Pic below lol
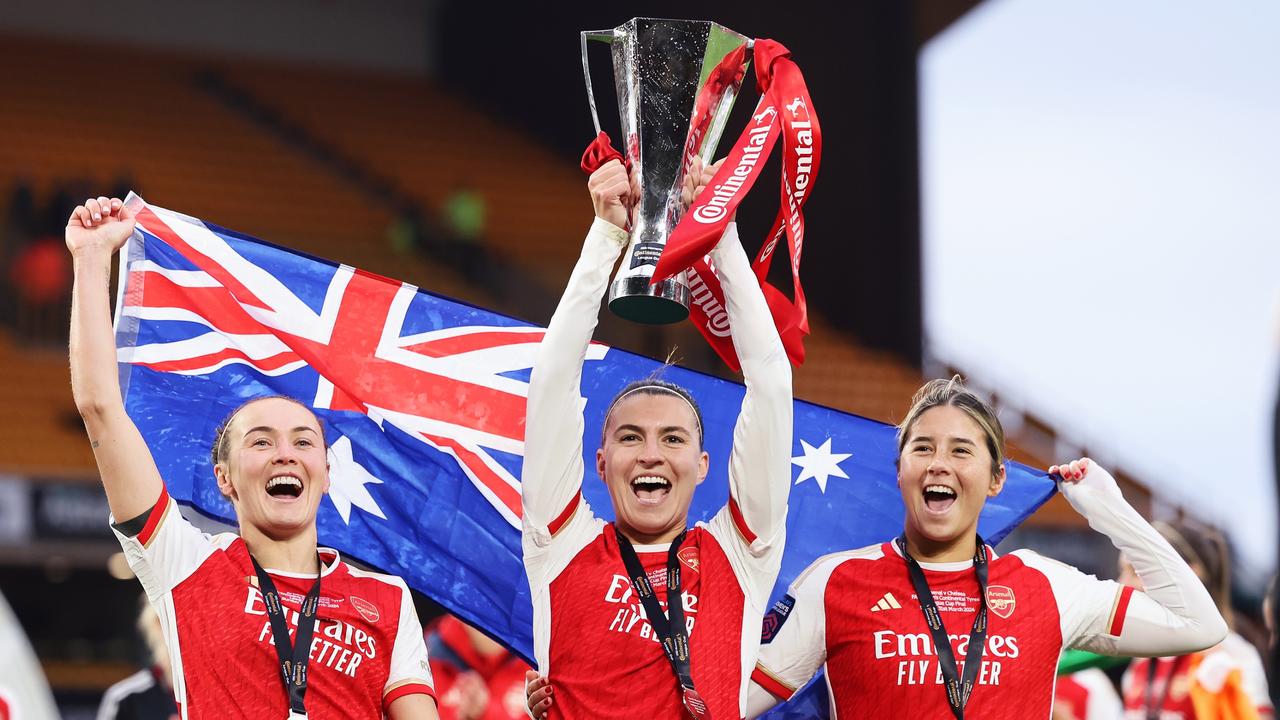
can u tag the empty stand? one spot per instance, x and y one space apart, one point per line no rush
98 113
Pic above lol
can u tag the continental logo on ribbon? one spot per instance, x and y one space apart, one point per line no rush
1001 601
722 193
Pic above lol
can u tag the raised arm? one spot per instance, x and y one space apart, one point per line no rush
552 474
1174 614
95 231
760 464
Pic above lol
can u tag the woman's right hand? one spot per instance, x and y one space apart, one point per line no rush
99 225
537 694
611 193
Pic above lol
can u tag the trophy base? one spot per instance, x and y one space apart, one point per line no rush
634 298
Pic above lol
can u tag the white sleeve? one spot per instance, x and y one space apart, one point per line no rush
551 477
162 547
557 522
759 700
409 665
751 528
760 462
798 646
1174 614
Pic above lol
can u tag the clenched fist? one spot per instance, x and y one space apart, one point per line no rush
611 193
98 226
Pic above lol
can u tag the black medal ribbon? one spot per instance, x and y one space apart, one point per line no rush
669 626
958 689
296 656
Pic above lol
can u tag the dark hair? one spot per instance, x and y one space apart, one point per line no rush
654 386
1202 545
221 444
953 392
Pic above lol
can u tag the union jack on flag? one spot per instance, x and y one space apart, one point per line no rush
423 399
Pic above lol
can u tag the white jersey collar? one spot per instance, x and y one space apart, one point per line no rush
943 566
329 561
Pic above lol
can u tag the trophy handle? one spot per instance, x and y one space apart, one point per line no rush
602 36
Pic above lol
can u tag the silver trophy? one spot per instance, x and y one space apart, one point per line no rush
676 83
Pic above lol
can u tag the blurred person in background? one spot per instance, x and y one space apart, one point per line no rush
1269 613
1086 695
476 678
24 691
1224 682
263 623
148 693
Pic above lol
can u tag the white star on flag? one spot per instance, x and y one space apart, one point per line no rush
820 464
347 480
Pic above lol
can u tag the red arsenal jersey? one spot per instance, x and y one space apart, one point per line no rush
857 613
602 652
367 649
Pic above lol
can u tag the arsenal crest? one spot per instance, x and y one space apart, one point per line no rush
1000 600
367 610
689 557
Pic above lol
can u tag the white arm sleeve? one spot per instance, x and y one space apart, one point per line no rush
409 651
551 477
759 701
760 463
1174 615
799 645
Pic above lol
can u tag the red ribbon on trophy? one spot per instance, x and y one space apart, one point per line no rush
599 152
784 108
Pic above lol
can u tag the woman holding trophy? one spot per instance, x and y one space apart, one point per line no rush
605 635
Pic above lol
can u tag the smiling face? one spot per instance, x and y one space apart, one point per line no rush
651 461
275 469
945 475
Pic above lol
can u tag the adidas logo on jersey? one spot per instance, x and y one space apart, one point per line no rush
888 602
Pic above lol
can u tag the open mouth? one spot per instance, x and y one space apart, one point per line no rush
938 498
650 489
286 486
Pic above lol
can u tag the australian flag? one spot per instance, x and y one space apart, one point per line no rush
423 402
